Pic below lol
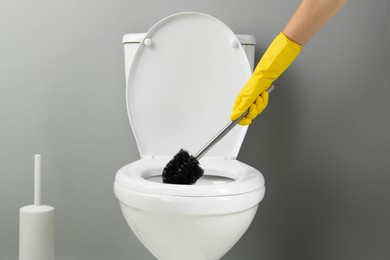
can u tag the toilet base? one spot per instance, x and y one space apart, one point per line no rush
189 237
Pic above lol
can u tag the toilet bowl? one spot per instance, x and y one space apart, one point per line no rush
182 77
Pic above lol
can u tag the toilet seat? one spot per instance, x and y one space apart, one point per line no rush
243 191
182 84
242 178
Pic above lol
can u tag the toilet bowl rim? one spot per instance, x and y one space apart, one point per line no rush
189 206
245 178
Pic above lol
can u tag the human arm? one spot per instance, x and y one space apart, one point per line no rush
308 19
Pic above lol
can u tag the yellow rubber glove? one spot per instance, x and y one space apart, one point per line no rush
254 96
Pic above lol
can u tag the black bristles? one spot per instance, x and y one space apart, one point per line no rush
182 169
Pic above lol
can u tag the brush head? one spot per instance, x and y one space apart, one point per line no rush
182 169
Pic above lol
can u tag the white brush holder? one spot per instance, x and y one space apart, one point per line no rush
36 225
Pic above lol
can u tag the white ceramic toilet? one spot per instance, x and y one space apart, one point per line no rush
182 77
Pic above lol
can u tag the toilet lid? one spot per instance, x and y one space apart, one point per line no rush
182 84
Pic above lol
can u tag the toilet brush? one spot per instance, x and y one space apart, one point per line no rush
36 232
184 168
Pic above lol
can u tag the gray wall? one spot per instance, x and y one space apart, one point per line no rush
323 144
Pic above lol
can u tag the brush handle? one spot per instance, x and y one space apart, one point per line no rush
228 127
37 180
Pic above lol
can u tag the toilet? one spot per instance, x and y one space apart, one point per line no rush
182 77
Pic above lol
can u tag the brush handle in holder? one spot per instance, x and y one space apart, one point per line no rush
221 134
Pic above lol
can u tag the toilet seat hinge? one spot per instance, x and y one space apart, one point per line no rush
148 156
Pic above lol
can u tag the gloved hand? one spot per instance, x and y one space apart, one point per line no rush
254 96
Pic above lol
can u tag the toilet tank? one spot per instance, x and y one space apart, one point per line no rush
131 42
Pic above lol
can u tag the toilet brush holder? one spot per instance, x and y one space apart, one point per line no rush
36 224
